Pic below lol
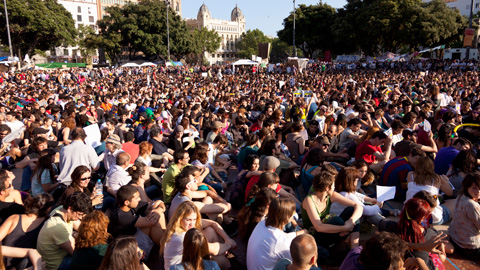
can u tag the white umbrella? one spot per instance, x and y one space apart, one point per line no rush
130 65
147 64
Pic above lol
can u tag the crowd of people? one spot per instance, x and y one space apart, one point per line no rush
204 168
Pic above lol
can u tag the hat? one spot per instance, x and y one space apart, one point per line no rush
218 124
178 129
271 163
39 130
113 138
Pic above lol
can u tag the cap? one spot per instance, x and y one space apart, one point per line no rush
218 124
39 130
178 129
113 138
271 163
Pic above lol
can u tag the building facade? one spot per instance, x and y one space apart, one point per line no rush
462 5
176 5
229 30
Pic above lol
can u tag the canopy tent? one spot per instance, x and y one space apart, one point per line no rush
173 64
301 63
130 65
244 62
61 65
147 64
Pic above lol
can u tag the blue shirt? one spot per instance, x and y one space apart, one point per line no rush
444 159
207 265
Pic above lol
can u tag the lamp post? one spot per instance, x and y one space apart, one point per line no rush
8 28
168 31
294 48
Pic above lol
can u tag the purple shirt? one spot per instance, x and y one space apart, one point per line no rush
351 261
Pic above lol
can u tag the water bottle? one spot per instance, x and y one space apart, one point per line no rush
99 189
285 149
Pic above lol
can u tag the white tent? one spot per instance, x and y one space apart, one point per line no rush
244 62
130 65
147 64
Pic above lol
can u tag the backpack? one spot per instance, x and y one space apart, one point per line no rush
237 196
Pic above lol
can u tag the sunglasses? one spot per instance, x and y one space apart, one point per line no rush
85 178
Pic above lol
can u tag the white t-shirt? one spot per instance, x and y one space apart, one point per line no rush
173 250
266 246
368 210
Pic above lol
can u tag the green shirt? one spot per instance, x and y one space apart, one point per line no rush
168 182
88 258
54 232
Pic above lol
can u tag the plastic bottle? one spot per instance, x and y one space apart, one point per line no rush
285 149
99 189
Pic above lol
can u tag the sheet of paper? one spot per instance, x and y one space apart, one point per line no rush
304 134
93 135
427 126
385 193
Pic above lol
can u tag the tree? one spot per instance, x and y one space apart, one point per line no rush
205 41
37 25
388 25
312 28
86 42
142 27
281 50
248 43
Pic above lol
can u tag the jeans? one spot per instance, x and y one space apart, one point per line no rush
66 262
26 179
326 241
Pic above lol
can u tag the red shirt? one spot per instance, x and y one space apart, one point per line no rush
253 180
132 149
365 151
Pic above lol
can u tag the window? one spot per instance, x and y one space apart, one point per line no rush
74 53
89 10
65 52
92 26
90 19
477 5
218 55
79 18
79 9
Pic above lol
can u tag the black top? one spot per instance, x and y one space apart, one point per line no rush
158 147
9 208
123 223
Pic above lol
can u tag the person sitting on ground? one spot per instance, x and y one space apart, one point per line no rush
131 148
186 217
55 241
327 229
118 176
446 155
410 229
81 176
465 163
248 217
14 234
140 175
123 253
382 251
14 196
250 169
424 178
463 229
200 159
113 147
195 253
303 250
7 208
91 242
371 151
145 157
186 189
45 173
135 217
269 243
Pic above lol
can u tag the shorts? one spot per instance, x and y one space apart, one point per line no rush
144 241
446 215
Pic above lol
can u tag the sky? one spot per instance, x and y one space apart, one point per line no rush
266 15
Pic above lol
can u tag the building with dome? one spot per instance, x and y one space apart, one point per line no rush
229 30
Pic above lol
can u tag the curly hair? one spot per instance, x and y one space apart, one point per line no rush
145 148
92 230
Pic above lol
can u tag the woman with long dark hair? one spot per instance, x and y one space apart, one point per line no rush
81 176
195 253
44 174
465 163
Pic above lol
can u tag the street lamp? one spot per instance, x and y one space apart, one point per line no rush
8 28
168 31
294 48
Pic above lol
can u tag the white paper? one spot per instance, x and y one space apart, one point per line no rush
280 84
304 134
427 126
389 132
204 74
385 193
93 135
457 108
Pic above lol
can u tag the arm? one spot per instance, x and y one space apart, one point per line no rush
31 253
8 226
65 135
69 246
218 248
309 206
445 185
357 208
432 148
22 164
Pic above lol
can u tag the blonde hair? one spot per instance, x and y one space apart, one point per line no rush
174 225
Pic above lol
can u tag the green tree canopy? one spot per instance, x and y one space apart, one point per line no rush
312 28
375 25
36 25
142 27
248 43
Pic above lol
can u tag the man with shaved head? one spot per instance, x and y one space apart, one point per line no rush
303 250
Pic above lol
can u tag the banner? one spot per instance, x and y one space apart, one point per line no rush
468 40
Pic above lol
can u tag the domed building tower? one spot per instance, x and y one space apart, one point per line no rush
203 15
